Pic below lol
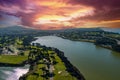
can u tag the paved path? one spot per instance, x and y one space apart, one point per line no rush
51 72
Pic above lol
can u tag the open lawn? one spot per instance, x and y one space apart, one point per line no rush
60 71
37 75
12 59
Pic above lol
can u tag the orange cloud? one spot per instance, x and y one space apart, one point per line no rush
58 14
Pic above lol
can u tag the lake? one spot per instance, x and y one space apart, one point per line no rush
94 62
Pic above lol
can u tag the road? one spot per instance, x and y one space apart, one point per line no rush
51 72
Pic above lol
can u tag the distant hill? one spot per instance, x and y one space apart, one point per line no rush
82 29
15 30
19 30
115 30
23 30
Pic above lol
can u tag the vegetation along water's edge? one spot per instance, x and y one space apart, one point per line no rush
103 39
50 63
45 62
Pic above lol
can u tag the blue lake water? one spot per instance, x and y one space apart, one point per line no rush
95 63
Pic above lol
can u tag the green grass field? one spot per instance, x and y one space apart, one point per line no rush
37 71
60 71
12 59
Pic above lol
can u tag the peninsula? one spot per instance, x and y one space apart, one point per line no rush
45 62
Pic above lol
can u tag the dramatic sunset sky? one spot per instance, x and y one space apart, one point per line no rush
60 14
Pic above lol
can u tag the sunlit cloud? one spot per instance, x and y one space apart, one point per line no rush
60 14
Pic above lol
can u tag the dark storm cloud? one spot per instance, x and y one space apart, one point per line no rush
13 2
104 9
98 3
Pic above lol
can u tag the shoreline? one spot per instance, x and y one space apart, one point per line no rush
63 58
102 46
69 66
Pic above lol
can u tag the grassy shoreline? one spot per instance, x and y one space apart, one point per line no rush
49 62
45 62
91 41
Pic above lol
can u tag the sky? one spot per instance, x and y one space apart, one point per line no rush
60 14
